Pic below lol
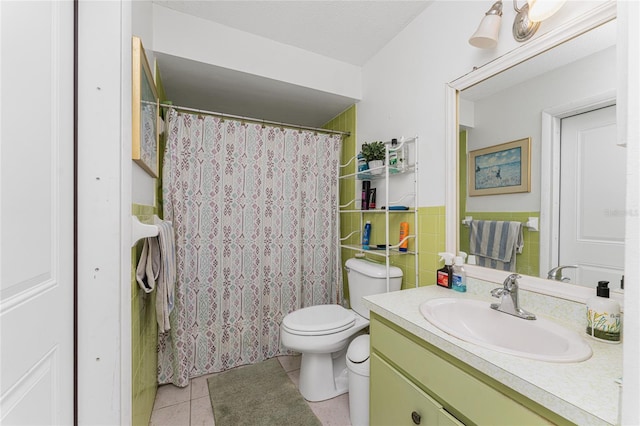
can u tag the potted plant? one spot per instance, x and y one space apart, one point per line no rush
374 153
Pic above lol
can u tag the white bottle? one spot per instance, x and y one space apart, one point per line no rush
459 276
603 315
393 156
403 155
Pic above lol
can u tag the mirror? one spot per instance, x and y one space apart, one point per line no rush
144 112
553 93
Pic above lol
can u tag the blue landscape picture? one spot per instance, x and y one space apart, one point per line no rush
499 169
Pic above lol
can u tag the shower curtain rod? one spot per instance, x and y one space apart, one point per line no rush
256 120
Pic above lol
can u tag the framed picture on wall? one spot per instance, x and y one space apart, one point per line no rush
145 109
500 169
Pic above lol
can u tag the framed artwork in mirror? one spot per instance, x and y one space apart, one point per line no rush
500 169
145 109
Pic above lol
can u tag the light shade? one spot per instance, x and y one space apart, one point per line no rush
486 36
539 10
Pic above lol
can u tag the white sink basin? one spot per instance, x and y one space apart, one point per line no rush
475 322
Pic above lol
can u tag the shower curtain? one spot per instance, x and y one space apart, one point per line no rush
254 209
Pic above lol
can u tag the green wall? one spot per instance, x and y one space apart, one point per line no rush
144 336
346 122
431 241
431 221
144 327
431 238
462 167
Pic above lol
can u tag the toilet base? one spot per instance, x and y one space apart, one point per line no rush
323 376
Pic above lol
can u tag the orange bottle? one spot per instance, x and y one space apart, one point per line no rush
404 232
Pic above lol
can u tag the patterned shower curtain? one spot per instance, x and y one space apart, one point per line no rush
254 209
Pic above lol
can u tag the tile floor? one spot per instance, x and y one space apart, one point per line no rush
191 406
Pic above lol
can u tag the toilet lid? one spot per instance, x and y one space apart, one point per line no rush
319 320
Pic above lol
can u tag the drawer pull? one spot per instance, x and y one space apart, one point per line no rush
416 417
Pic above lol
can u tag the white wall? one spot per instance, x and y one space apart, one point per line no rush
197 39
515 113
403 85
629 72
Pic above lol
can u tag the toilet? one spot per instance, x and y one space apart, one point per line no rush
323 332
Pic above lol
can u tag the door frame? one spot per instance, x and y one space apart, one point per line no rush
104 212
550 170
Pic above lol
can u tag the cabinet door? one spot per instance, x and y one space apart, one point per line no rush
397 401
446 419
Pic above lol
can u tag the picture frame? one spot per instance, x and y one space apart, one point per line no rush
145 112
500 169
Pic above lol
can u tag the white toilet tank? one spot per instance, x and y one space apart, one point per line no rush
367 278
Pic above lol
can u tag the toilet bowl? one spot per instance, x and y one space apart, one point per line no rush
322 333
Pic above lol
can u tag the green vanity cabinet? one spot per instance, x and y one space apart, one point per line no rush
413 382
395 400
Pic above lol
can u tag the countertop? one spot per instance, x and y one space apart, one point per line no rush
585 393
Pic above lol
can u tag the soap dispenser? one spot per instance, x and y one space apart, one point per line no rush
603 315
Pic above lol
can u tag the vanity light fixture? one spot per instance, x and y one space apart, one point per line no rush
486 36
525 24
539 10
523 27
530 15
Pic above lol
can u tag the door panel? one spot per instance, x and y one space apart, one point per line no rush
592 196
36 212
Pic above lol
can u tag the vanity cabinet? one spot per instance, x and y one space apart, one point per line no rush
397 401
413 382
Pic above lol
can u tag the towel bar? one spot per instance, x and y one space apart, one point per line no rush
141 230
532 223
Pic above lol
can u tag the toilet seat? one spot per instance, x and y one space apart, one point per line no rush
319 320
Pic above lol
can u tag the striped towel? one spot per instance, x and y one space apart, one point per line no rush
495 243
167 276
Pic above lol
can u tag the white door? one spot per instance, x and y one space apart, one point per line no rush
36 212
592 198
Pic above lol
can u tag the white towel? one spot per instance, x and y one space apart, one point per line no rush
495 243
149 265
167 277
157 270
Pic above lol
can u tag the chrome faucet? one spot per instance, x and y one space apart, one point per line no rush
509 303
556 273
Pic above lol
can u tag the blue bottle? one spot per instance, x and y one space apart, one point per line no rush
366 235
459 276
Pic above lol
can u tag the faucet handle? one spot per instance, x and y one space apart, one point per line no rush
556 273
497 292
511 281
